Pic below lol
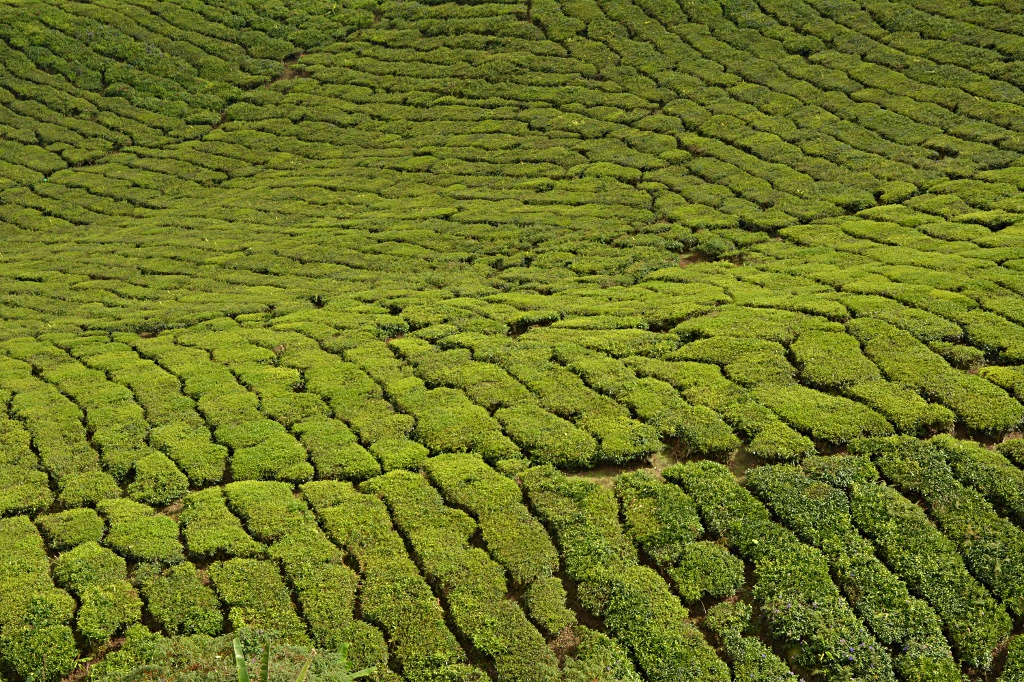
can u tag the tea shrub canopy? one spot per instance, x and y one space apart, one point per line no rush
524 341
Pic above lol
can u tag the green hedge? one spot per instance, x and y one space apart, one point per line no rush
157 481
982 406
256 596
34 615
992 547
98 577
513 537
931 566
636 604
990 473
750 658
178 600
210 529
473 585
334 450
137 532
68 529
793 585
393 594
820 515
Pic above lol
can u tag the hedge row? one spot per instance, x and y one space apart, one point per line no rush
544 436
990 473
653 401
564 394
982 406
513 537
931 567
992 547
98 577
137 532
57 433
34 615
473 586
211 530
662 520
446 421
24 488
637 607
793 585
750 658
112 416
701 383
832 361
177 428
393 594
820 515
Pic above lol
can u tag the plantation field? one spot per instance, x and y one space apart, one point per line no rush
556 341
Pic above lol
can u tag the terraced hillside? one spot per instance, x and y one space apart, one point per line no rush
579 340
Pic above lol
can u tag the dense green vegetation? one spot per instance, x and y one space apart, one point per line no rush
530 341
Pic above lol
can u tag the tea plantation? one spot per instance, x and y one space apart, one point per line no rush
543 341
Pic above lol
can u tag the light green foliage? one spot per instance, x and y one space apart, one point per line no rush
107 601
179 600
334 450
824 417
399 454
137 532
34 615
209 528
251 246
71 528
514 538
257 597
157 481
394 595
474 585
661 519
545 602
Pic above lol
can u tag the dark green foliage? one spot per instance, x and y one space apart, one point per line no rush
820 515
931 566
1014 669
598 657
750 658
71 528
992 547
